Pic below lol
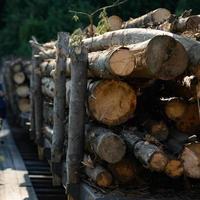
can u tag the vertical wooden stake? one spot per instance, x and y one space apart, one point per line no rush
76 127
59 106
38 106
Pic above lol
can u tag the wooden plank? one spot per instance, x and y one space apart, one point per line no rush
14 181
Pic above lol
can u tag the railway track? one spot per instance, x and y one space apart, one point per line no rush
38 171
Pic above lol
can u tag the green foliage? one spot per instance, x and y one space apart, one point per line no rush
20 19
76 37
103 25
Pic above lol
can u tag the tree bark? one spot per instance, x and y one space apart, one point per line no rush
124 171
98 174
146 60
23 90
19 77
48 132
48 113
191 160
48 87
182 24
103 142
38 102
76 130
148 154
152 18
132 36
59 102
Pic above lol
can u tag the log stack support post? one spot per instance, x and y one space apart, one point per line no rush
38 105
75 149
59 107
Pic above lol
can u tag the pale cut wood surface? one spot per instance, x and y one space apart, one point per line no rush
14 181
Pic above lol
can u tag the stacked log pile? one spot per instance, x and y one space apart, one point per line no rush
17 81
142 99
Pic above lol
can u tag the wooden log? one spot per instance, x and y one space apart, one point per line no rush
97 173
59 103
157 129
23 90
48 87
182 24
107 145
190 121
111 102
38 104
114 22
174 168
24 105
149 155
191 160
76 130
17 67
175 108
19 77
152 18
48 113
126 37
125 171
48 132
139 60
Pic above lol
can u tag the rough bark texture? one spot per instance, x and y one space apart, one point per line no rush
48 113
75 148
152 18
48 132
38 101
191 160
111 102
48 87
107 145
98 174
59 102
132 36
149 155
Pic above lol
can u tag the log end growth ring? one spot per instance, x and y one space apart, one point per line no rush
104 179
111 148
122 62
112 102
165 57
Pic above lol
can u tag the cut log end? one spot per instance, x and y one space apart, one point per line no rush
112 102
191 160
19 77
111 148
166 57
104 179
124 171
115 23
158 162
122 62
193 23
24 105
175 108
174 168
